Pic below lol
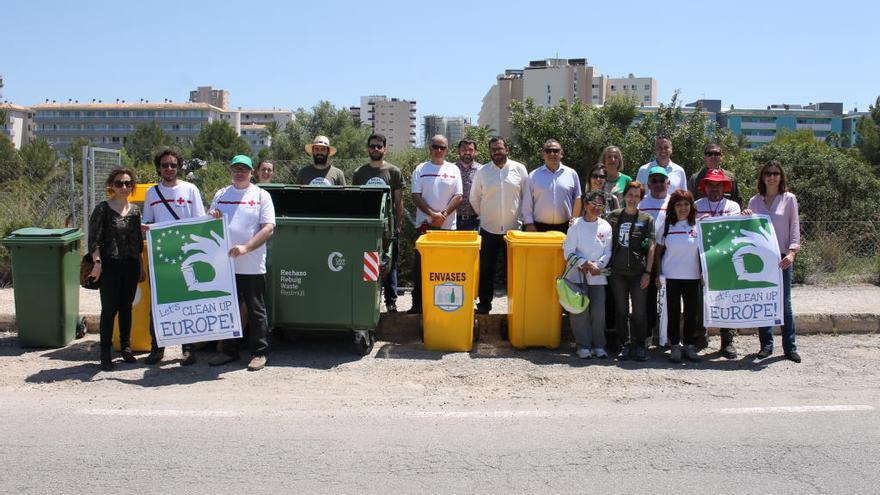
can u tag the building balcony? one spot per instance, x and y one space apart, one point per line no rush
758 125
814 127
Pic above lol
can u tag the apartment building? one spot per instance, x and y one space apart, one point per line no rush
206 94
393 117
451 127
761 126
18 125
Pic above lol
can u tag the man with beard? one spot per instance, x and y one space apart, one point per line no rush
321 173
497 196
712 158
381 173
467 152
170 200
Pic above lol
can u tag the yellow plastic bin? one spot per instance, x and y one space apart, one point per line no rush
450 275
534 260
140 308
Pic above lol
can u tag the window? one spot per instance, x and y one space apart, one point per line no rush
612 87
647 87
646 98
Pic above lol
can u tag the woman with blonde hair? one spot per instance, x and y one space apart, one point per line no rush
616 181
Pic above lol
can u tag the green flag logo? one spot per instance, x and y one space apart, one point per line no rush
740 254
186 261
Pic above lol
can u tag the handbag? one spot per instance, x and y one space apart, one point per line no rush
85 269
572 297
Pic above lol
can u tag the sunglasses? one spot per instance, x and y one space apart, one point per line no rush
123 183
597 176
657 181
376 146
168 165
438 147
713 153
552 151
772 174
596 205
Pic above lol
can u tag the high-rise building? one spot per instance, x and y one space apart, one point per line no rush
760 126
207 94
393 117
18 125
252 125
451 127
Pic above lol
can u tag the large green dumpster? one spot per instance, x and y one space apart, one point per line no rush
45 278
325 257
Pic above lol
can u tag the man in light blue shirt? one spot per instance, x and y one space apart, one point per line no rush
552 195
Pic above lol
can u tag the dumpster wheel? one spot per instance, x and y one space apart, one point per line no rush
363 341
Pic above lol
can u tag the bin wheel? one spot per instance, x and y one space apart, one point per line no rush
476 329
363 342
81 328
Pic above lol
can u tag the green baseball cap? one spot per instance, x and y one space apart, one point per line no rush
658 171
242 159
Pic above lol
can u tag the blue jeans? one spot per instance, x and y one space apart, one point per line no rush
766 333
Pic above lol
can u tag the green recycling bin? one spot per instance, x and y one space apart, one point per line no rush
326 258
45 279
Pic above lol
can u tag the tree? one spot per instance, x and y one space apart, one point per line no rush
868 142
74 151
39 159
146 141
346 134
218 141
11 165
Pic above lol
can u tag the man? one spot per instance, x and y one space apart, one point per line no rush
321 173
381 173
497 196
712 158
663 158
250 220
265 172
552 195
170 200
714 186
436 192
467 218
655 204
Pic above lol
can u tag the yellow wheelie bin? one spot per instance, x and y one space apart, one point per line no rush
534 260
140 307
450 275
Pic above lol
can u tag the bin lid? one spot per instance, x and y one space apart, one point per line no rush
449 239
139 195
329 201
520 238
35 235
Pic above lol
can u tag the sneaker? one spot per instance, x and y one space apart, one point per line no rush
257 363
600 353
793 356
584 352
729 351
189 358
391 307
641 354
223 359
155 356
765 352
690 353
127 355
625 353
675 354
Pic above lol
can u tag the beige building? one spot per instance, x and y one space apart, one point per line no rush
451 127
251 124
393 117
207 94
18 125
643 88
495 111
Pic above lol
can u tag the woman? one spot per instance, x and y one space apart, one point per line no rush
116 242
631 262
679 257
589 239
612 159
774 200
597 179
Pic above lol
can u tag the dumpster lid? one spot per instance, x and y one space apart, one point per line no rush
35 235
520 238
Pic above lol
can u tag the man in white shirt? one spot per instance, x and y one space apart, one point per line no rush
552 196
497 196
655 204
250 221
436 192
170 200
663 158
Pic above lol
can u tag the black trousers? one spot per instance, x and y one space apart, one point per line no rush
676 291
252 292
626 288
651 309
547 227
492 247
118 284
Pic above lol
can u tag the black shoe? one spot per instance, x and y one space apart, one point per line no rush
729 351
127 355
189 358
641 354
625 352
391 307
106 365
793 356
765 353
223 359
155 356
415 310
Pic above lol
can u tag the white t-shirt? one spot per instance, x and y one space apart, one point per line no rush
437 184
589 241
722 208
184 199
677 177
681 259
657 209
245 211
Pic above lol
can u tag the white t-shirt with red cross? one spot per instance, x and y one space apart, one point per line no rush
681 258
245 211
437 184
722 208
184 199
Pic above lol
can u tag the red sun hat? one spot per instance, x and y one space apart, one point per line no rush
716 175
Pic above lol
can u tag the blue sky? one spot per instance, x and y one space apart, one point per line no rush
445 55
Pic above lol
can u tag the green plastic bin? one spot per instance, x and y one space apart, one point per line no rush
45 279
325 259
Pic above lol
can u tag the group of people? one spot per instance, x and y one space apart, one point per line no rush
628 237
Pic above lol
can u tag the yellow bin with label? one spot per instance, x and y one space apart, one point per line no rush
534 260
450 276
140 307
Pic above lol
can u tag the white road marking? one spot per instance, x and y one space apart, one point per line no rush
159 413
486 414
794 409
